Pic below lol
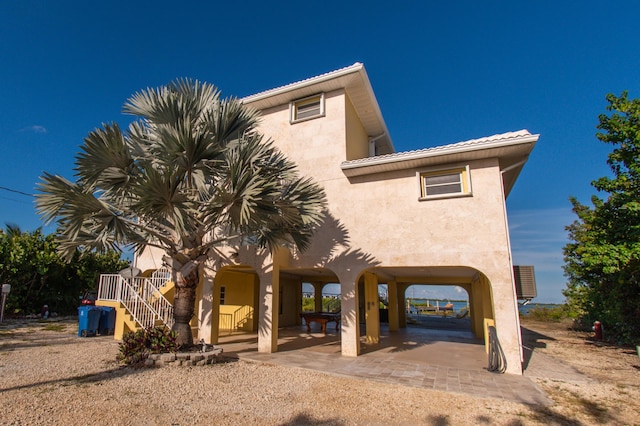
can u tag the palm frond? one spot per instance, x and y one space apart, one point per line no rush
191 164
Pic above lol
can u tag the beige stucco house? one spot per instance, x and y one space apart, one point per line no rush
433 216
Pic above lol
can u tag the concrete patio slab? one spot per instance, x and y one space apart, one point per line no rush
429 354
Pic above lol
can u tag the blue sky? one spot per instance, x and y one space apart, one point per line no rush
443 72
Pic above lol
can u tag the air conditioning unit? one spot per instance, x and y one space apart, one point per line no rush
525 282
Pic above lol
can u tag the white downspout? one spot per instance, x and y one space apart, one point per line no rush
372 144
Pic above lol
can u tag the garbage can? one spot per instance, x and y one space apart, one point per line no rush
88 320
107 320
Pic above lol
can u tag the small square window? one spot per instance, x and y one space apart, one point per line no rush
445 183
442 184
307 108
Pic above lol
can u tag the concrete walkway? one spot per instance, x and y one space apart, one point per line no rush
435 353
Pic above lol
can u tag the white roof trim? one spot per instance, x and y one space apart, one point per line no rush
489 142
304 83
352 79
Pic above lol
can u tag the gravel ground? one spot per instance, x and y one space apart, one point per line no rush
50 376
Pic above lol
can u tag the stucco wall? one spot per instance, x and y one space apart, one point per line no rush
381 214
378 220
357 143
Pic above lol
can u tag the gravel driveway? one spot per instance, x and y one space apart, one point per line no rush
50 376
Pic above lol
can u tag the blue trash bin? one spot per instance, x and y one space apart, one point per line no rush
107 320
88 320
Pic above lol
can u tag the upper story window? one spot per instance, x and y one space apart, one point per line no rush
307 108
445 183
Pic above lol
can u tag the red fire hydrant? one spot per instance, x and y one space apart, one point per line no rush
597 329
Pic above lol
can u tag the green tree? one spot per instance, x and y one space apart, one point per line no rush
27 262
190 173
602 261
30 263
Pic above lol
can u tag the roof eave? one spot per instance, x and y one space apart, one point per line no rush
298 89
303 84
443 155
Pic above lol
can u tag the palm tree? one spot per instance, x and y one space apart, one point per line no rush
191 172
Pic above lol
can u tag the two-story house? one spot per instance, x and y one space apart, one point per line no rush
432 216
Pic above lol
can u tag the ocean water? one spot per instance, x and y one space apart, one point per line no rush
524 309
457 306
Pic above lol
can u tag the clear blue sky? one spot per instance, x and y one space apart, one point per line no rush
443 72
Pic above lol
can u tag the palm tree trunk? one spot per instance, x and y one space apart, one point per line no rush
184 307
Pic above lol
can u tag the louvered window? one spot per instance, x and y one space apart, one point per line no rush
444 183
307 108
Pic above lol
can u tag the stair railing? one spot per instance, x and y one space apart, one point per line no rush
241 315
139 296
160 277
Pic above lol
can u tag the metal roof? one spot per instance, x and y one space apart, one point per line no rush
511 149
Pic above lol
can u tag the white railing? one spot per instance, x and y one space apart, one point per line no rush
159 277
140 296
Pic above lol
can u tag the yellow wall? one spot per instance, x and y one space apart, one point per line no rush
357 145
238 311
480 298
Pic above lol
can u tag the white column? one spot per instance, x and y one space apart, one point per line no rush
394 319
350 324
205 310
268 316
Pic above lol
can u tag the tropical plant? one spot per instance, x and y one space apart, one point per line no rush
137 345
30 263
190 173
602 261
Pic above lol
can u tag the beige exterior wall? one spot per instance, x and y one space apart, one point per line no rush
377 220
317 144
357 143
382 214
387 225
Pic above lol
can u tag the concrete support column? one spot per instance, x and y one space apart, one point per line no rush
372 308
317 294
392 291
215 308
299 303
507 323
207 321
270 302
402 305
349 321
200 323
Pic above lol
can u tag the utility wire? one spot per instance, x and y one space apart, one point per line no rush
17 201
16 191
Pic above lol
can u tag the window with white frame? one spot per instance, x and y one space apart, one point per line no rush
445 183
307 108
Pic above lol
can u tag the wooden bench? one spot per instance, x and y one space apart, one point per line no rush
321 317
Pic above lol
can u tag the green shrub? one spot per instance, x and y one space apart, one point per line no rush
136 346
308 304
329 304
550 314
